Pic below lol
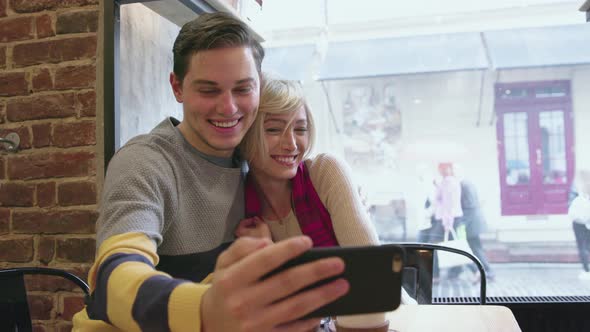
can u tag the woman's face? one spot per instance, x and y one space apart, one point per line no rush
287 138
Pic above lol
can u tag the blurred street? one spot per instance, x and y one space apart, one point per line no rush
517 279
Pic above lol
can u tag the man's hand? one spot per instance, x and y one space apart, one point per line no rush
239 300
254 227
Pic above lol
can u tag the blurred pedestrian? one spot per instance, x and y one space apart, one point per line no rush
579 214
475 224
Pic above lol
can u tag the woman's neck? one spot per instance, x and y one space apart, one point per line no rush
275 197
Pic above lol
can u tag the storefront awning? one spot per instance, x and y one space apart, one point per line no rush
401 56
503 49
292 63
539 47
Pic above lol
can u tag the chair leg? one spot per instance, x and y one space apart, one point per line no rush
14 306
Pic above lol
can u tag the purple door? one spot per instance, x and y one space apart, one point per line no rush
535 145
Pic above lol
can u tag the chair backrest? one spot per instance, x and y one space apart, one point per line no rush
14 308
417 275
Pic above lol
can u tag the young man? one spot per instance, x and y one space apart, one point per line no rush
172 199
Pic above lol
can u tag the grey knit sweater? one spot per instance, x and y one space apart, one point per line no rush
159 185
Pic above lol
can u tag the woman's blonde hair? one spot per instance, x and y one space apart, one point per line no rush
277 96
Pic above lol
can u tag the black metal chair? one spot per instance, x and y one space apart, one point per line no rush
417 275
14 307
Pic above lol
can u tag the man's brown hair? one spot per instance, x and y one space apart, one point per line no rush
212 31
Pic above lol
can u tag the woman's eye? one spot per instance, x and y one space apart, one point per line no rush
273 130
301 130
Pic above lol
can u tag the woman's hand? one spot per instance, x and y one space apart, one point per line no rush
253 227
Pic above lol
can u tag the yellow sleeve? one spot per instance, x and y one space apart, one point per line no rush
130 295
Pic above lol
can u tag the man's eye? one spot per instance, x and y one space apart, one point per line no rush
208 91
244 90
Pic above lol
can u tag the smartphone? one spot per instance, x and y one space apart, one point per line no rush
373 272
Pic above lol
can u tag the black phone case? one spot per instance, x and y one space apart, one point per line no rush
374 285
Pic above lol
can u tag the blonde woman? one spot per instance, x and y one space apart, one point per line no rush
289 194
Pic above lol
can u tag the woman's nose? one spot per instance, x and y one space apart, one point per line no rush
288 142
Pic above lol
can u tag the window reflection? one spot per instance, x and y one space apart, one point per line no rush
553 147
516 149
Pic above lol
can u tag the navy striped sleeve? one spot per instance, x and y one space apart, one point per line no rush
97 302
150 309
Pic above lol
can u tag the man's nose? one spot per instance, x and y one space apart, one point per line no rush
227 104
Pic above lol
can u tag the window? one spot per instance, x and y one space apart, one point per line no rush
499 89
410 85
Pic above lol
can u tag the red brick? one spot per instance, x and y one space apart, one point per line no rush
41 135
46 194
42 80
23 134
41 107
75 77
77 21
54 51
47 283
44 26
54 222
16 250
71 305
4 220
75 250
46 249
29 6
18 28
41 306
13 84
87 101
3 8
17 194
74 134
76 193
50 165
2 56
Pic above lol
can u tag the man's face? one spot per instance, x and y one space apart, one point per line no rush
220 95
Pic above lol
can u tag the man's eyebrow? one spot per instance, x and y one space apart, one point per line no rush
213 83
204 82
245 80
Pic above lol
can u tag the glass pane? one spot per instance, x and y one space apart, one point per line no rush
516 149
554 91
397 100
515 93
552 151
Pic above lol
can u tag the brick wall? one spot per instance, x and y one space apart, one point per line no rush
48 190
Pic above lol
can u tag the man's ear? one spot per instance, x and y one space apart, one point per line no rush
176 85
